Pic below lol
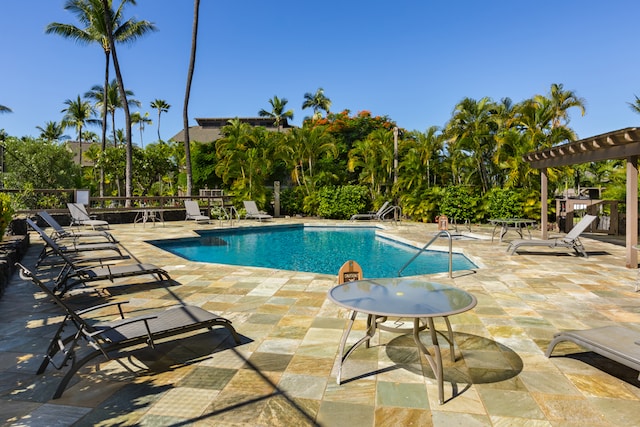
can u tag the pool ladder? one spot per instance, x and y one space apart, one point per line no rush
441 233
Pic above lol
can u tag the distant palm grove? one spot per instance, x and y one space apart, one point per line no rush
334 165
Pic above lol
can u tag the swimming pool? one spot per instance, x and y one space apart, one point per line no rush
311 249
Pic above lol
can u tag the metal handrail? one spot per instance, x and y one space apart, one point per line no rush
440 233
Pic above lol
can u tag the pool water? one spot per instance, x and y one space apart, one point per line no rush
311 249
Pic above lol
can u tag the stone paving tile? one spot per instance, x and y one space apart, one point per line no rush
284 371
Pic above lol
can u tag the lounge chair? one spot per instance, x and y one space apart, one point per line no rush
193 212
253 212
72 247
73 274
80 216
117 338
380 215
571 240
60 233
613 342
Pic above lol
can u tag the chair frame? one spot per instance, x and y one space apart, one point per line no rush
73 247
191 207
59 232
252 211
571 240
80 216
613 342
113 338
380 214
71 274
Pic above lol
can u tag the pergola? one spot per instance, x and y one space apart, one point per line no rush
619 144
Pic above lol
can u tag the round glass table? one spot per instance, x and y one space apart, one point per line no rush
402 297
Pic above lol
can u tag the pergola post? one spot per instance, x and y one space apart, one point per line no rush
632 211
544 203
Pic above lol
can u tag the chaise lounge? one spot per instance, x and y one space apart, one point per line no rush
194 213
73 274
253 212
80 216
59 232
571 240
118 338
381 214
72 247
613 342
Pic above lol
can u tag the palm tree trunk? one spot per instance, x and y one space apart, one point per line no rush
185 111
123 94
104 117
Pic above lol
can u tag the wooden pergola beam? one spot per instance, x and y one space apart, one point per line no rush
620 144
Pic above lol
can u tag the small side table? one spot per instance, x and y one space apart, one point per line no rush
148 214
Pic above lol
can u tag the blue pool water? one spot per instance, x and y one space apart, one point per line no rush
311 249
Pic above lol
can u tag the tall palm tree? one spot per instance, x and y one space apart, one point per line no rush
113 101
317 101
78 114
277 112
141 120
472 130
104 26
52 131
4 109
162 106
635 106
561 101
187 93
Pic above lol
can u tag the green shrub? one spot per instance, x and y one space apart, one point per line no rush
291 201
505 203
342 202
6 212
460 204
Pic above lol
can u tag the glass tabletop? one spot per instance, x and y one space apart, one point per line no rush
402 297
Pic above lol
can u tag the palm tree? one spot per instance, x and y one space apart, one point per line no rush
114 101
306 145
561 101
140 120
52 131
102 25
317 101
4 109
185 110
77 115
635 106
472 130
162 107
277 112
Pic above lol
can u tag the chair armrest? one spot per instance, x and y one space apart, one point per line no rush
144 319
109 304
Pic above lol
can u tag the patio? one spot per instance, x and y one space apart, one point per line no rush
284 371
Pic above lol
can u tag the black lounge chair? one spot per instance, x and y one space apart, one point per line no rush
613 342
114 339
73 274
72 247
61 233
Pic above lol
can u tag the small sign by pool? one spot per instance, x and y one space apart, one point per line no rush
311 249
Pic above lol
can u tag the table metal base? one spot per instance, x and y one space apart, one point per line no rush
375 322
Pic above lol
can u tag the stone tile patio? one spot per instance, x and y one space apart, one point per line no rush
283 373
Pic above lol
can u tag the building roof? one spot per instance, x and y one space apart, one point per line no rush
209 129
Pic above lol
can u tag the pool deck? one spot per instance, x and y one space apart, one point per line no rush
283 373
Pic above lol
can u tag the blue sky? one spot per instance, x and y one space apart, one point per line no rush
411 60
